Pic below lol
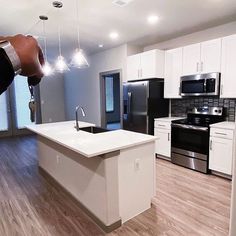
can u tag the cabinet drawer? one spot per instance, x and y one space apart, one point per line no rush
162 124
222 133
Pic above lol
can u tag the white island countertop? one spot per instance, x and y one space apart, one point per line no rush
88 144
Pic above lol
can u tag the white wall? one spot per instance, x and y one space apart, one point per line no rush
52 98
208 34
82 86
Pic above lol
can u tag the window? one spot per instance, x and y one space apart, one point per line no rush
109 94
22 98
3 112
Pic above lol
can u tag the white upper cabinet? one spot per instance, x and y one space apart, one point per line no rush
146 65
211 56
173 72
133 67
228 67
191 59
202 57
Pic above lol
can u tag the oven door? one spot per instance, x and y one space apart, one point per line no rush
190 147
192 139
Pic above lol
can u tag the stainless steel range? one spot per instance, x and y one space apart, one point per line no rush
190 137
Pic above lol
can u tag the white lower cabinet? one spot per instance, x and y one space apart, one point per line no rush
221 151
163 143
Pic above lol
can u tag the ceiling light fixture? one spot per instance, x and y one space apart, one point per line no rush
100 45
47 69
153 19
79 59
121 3
60 64
114 35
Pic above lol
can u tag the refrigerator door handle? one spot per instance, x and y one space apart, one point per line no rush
129 103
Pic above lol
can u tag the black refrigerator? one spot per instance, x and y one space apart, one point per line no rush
143 101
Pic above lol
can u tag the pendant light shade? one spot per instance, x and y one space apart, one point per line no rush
60 65
79 60
47 69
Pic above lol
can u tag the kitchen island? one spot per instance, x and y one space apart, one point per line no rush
111 174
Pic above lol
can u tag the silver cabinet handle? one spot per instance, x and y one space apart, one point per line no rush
221 89
197 66
220 133
201 66
161 125
168 136
211 145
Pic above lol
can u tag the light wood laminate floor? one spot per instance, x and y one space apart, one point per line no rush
186 202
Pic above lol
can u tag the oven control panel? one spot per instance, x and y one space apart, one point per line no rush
216 111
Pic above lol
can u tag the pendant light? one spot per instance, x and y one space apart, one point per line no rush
47 69
79 60
60 65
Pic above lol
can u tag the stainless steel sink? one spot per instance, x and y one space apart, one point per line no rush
94 129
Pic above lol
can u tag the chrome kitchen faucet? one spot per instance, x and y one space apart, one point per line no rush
76 115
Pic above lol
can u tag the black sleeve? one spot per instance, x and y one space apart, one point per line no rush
6 72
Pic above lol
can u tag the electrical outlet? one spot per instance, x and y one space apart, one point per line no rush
50 120
58 159
137 164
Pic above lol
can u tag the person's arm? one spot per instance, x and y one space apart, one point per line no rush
30 56
6 72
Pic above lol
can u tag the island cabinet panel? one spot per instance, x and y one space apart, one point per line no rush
136 180
92 181
112 188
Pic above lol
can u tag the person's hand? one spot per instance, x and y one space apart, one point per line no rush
30 54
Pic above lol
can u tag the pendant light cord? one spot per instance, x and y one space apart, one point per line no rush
77 13
45 42
59 35
35 24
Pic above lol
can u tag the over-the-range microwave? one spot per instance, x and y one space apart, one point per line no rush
200 85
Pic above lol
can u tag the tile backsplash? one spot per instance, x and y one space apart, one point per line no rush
180 106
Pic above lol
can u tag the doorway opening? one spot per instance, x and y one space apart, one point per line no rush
110 87
14 109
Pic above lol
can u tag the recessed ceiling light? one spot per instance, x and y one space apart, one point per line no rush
121 3
114 35
100 45
153 19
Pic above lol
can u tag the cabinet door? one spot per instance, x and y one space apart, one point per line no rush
162 142
173 72
133 67
210 56
228 67
152 64
221 155
191 59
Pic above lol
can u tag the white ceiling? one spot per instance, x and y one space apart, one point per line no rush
99 17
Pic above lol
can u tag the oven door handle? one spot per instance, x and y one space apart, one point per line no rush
190 127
